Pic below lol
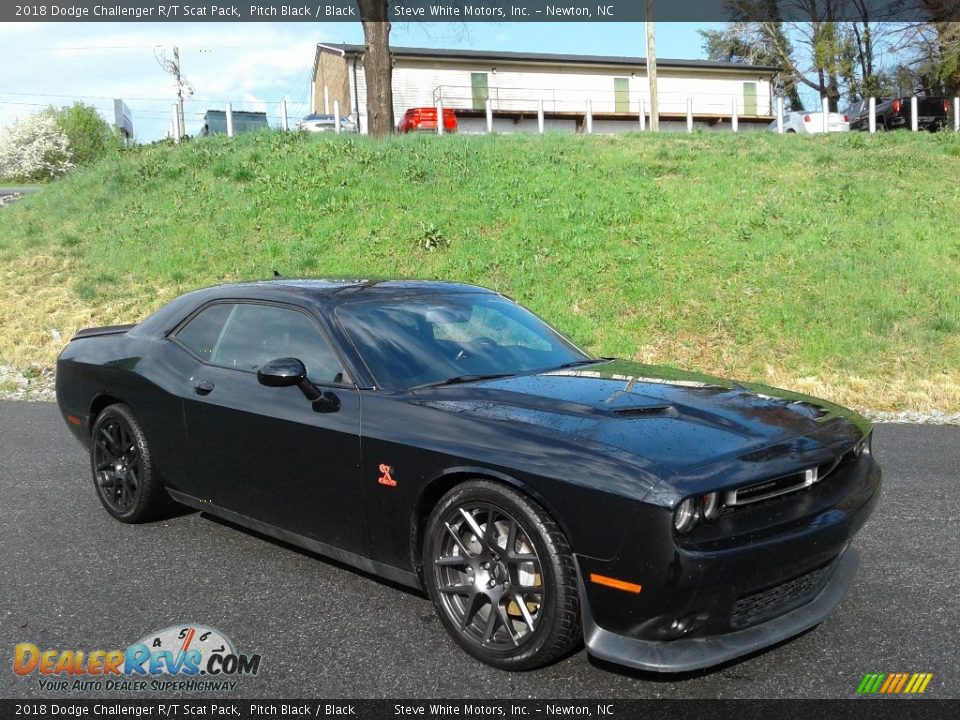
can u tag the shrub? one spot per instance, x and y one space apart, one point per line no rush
34 148
89 134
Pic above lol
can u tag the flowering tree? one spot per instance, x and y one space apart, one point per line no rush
34 148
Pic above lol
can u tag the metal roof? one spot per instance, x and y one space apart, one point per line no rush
495 55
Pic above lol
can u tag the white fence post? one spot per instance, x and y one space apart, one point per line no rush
689 115
540 122
914 119
589 117
440 127
825 106
780 115
734 117
643 117
326 100
336 116
283 115
956 114
489 115
176 125
872 105
229 119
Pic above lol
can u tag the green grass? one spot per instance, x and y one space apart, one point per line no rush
830 264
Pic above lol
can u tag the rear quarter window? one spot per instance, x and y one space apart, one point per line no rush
200 334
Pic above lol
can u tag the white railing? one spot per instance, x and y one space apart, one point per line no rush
603 102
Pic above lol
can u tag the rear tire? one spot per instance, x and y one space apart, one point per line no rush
122 468
501 576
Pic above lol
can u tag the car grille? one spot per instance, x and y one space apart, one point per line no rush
752 609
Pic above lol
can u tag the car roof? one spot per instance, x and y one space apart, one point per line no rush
325 293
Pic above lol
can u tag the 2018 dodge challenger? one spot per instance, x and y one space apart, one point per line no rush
442 436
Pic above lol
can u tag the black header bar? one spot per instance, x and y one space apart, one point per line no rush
273 709
468 11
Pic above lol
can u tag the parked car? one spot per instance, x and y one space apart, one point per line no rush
894 113
811 122
326 123
442 436
425 119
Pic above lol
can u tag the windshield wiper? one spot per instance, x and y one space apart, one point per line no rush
589 361
459 379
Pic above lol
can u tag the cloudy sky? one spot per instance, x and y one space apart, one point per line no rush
252 65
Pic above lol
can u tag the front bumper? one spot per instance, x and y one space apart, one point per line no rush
750 580
688 654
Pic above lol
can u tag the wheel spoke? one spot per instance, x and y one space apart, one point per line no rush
457 540
523 610
452 560
457 589
107 478
491 625
505 620
107 442
491 529
470 610
522 558
472 522
512 537
528 589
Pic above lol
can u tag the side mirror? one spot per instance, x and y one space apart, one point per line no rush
287 372
283 372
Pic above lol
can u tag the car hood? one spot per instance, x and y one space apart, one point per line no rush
678 420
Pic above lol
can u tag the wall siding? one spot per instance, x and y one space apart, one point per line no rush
564 89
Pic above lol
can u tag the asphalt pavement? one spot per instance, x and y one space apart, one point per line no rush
73 578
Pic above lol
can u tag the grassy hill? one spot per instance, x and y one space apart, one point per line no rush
826 264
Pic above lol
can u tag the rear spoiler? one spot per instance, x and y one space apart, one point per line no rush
105 330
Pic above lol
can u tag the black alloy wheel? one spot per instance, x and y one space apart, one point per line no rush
122 469
501 576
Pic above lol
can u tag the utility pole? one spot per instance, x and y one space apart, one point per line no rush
180 83
652 69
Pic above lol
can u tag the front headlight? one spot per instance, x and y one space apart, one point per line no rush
710 506
686 515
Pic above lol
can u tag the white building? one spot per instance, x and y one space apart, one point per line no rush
516 84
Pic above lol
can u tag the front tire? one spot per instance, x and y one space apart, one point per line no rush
122 468
501 576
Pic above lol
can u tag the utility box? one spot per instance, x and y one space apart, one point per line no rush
215 121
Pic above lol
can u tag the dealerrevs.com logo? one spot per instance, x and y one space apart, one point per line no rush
188 657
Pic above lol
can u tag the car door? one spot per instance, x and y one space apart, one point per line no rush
265 452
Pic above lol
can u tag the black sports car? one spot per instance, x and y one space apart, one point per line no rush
442 436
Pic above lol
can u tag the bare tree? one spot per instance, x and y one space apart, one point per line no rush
377 65
832 57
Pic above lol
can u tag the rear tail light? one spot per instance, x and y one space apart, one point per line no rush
946 106
806 118
846 119
896 106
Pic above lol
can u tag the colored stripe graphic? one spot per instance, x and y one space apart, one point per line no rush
894 683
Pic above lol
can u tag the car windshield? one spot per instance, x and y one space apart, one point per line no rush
445 339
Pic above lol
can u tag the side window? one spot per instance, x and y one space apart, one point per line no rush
253 334
201 333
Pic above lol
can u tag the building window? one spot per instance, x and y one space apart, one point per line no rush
749 98
481 90
621 95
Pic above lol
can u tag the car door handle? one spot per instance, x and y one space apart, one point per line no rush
203 387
